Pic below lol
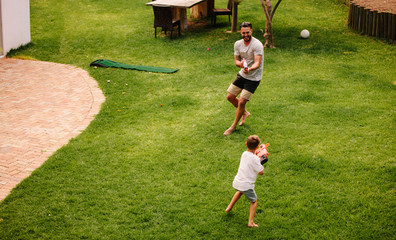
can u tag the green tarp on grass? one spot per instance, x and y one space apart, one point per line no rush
109 63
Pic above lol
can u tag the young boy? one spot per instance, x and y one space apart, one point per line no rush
244 181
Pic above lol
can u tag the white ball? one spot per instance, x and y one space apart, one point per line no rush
304 33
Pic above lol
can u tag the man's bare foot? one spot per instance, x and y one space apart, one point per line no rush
252 225
244 116
229 131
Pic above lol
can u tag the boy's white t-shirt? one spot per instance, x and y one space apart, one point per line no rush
249 167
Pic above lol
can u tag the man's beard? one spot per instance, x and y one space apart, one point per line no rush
247 38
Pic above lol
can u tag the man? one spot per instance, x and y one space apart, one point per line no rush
251 50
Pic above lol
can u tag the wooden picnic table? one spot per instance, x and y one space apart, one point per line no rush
180 8
175 3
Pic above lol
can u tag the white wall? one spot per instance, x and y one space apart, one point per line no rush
15 24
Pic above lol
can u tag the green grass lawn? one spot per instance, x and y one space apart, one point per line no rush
154 163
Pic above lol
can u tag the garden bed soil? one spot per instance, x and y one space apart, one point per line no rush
378 5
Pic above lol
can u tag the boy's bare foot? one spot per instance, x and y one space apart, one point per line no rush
229 131
244 116
252 225
228 209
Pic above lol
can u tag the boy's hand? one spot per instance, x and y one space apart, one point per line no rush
262 153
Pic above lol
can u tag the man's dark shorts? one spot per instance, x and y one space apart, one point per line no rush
244 86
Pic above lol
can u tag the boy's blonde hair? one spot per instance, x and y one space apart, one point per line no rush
252 142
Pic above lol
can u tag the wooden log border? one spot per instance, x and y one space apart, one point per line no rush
371 22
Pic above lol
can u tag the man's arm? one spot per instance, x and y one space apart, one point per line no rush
256 64
262 172
238 61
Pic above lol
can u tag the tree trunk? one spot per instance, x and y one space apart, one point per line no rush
269 14
234 27
268 35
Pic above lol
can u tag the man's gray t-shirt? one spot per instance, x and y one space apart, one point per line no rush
254 48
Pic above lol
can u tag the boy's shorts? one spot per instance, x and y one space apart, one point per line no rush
250 194
243 86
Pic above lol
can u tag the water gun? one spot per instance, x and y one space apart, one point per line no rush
262 153
244 63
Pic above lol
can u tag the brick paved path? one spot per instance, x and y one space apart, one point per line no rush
42 106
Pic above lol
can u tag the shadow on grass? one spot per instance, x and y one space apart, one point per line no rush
319 42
